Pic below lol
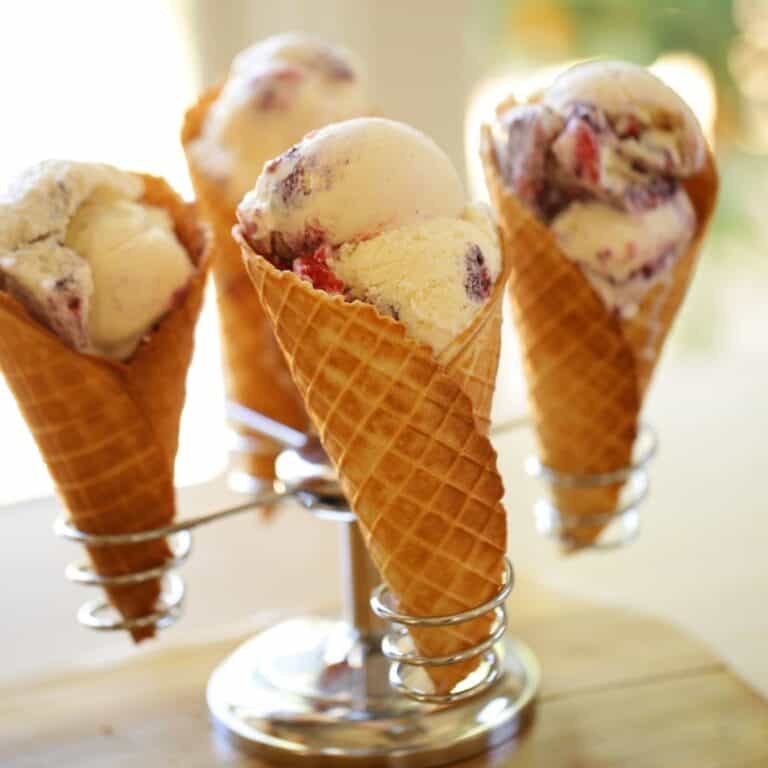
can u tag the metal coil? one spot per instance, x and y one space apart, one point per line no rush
481 679
99 614
621 524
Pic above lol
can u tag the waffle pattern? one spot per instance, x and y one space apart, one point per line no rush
648 329
254 369
108 431
472 359
585 377
419 473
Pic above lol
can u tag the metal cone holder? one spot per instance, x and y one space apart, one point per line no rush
619 526
328 691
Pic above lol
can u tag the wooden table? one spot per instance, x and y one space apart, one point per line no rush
619 690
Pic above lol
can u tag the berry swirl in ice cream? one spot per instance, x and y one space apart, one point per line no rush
374 210
276 91
86 257
600 159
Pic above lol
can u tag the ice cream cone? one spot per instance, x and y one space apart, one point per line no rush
254 370
107 430
587 370
408 445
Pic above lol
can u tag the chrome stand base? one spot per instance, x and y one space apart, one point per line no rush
312 690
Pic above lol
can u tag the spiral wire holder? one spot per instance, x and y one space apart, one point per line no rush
392 644
99 614
621 524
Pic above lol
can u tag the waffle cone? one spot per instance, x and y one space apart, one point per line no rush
587 370
409 447
107 430
255 373
472 358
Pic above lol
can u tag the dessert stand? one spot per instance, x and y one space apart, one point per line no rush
352 690
337 691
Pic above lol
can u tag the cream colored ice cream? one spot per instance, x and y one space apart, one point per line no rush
600 159
87 258
277 91
622 90
349 181
624 253
374 209
432 276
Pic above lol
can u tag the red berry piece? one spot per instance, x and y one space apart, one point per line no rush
314 268
628 127
587 154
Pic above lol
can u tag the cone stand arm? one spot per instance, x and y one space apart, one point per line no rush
359 578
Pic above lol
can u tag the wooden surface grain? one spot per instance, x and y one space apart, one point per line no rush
619 689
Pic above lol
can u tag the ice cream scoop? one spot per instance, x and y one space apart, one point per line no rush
648 116
623 252
600 159
351 181
374 210
277 90
433 277
86 257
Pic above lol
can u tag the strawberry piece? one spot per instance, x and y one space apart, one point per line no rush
587 154
314 268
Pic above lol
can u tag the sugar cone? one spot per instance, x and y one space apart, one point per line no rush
107 430
587 370
255 372
409 448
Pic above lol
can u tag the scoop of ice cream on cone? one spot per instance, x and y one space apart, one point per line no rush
277 90
432 277
623 255
321 190
384 290
603 186
374 210
88 258
652 123
607 147
96 356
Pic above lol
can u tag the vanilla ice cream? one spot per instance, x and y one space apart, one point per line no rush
86 257
629 95
374 210
351 181
621 251
277 91
600 159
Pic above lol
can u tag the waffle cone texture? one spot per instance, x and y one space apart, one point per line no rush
255 372
587 370
108 430
407 434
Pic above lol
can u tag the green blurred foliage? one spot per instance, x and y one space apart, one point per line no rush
619 27
540 32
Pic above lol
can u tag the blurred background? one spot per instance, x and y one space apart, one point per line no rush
110 81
